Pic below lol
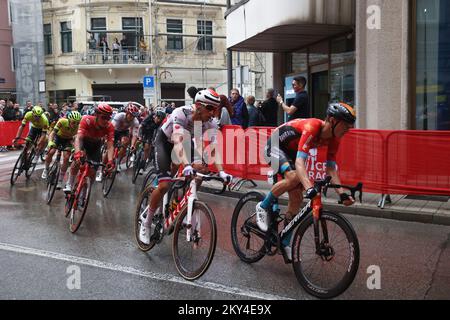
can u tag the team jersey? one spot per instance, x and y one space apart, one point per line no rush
302 135
89 130
120 123
63 129
181 119
42 123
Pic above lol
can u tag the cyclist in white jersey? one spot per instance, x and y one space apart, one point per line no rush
174 141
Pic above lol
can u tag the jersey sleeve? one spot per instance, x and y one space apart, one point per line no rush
310 131
27 118
110 133
178 121
83 128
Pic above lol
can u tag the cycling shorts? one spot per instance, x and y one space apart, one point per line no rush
280 160
66 144
118 135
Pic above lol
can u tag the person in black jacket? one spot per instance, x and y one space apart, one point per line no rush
148 129
269 109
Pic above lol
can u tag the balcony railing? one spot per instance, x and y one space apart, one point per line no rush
97 57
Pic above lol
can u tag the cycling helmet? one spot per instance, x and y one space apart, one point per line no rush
160 114
74 116
37 111
104 109
342 111
133 110
208 97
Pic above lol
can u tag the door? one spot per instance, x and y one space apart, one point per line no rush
320 94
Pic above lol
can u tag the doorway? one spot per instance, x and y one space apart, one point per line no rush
320 94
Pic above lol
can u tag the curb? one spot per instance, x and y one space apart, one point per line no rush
363 211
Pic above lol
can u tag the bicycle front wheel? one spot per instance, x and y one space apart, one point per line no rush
149 179
17 171
108 181
31 165
327 272
137 167
52 182
194 242
80 205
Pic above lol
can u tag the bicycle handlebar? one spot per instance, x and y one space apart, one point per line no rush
325 184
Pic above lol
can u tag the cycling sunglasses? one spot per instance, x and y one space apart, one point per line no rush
207 106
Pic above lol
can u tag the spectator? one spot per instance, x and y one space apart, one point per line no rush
116 50
1 115
223 113
92 43
169 109
240 112
2 104
64 110
174 106
74 106
28 107
256 118
192 91
8 112
300 107
269 109
17 112
104 48
124 45
142 49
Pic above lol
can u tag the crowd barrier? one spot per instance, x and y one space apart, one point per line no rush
387 162
8 131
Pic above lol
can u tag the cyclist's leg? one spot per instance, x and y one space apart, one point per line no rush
41 143
295 202
93 153
66 156
51 153
124 141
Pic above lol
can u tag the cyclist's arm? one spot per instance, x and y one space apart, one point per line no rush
302 173
52 134
179 149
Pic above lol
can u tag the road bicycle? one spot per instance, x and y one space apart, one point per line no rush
110 177
77 201
191 221
139 163
53 175
26 161
324 246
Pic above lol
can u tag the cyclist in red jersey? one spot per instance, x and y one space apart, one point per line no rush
288 150
88 141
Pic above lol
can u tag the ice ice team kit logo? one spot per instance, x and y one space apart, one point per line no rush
317 169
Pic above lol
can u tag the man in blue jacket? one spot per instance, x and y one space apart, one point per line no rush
240 117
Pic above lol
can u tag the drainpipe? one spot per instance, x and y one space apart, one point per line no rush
229 62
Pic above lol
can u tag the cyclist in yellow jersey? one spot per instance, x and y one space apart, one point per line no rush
62 135
39 124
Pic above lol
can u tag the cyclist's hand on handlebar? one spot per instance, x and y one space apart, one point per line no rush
226 177
188 171
78 156
347 200
110 166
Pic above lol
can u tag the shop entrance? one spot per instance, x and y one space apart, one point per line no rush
320 95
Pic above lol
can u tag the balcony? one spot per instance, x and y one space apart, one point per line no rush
121 58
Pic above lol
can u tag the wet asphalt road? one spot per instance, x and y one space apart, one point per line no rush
36 250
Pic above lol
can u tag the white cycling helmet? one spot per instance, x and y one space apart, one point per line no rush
208 97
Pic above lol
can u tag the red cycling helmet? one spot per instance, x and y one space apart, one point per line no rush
133 110
104 109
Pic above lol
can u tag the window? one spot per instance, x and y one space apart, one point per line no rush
204 28
98 24
174 42
48 39
299 61
13 59
66 37
432 87
136 30
9 13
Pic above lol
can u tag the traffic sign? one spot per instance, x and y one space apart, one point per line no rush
149 82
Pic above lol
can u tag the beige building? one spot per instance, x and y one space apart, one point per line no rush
184 44
7 77
388 57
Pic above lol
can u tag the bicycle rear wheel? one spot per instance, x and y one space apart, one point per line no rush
329 272
137 166
52 181
248 240
129 156
17 171
193 255
80 205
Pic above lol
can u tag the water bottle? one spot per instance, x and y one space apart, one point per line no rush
270 177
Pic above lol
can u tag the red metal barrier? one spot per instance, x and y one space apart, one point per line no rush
387 162
8 131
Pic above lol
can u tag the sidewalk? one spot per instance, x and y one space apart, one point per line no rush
431 210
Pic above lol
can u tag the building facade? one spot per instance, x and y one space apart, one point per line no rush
389 58
181 43
7 77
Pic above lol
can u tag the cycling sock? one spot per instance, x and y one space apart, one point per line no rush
149 218
268 201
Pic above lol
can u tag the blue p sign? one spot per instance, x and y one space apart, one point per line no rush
149 82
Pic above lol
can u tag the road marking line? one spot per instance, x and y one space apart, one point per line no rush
146 274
